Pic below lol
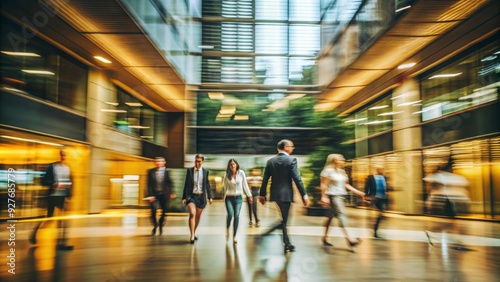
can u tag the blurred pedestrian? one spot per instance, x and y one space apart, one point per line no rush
283 170
58 179
334 182
254 181
234 185
196 191
159 191
448 194
376 189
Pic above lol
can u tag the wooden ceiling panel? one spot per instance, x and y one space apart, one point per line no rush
388 52
157 75
412 29
95 16
356 77
130 50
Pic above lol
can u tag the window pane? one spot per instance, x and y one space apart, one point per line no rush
271 10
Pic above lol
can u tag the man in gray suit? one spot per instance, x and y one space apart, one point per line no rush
283 169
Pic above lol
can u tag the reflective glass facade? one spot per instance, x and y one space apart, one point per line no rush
30 65
454 120
472 81
260 42
172 28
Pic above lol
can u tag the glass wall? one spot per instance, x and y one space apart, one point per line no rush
479 162
470 82
29 65
27 157
349 27
374 118
171 26
132 116
260 42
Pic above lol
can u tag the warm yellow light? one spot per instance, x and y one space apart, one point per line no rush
215 95
130 104
227 110
21 54
378 107
31 140
406 66
113 111
44 72
241 117
102 59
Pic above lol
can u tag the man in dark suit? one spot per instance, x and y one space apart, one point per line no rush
159 191
283 169
196 190
376 189
58 179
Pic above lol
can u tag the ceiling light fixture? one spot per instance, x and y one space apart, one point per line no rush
241 117
139 126
215 95
43 72
355 120
389 113
403 8
133 104
113 111
406 66
444 75
31 140
227 110
378 107
102 59
21 54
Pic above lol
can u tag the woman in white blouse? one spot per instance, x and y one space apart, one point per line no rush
234 184
334 182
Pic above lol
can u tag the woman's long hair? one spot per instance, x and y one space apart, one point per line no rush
331 158
229 172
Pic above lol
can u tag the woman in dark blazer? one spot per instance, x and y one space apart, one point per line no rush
196 190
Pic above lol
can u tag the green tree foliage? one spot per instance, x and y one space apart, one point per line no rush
330 138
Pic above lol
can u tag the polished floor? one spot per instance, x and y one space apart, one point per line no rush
118 246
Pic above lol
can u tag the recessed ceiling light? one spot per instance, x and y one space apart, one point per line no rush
227 110
43 72
444 75
113 111
215 95
406 66
378 107
355 120
21 54
241 117
102 59
131 104
139 126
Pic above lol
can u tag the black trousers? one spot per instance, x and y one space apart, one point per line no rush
284 208
162 201
252 207
381 205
